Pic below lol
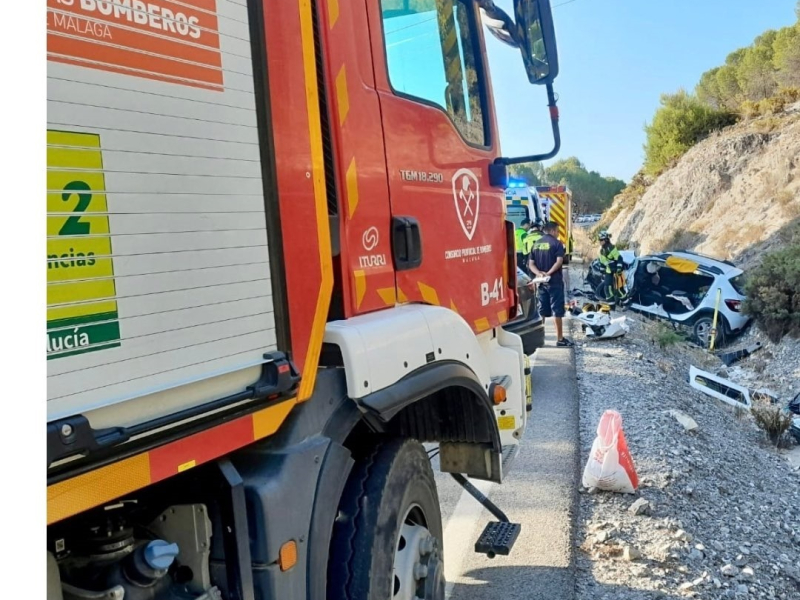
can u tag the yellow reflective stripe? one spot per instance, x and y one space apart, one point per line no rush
323 239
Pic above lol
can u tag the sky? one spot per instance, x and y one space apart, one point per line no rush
616 58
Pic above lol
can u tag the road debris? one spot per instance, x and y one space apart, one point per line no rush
720 388
600 325
689 424
722 484
640 507
734 356
610 466
630 553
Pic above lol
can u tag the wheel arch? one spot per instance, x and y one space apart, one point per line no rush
709 313
440 402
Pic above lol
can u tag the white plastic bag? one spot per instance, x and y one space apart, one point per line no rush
610 466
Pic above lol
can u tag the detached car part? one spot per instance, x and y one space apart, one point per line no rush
720 388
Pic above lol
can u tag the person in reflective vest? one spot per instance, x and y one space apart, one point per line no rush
534 235
611 259
519 238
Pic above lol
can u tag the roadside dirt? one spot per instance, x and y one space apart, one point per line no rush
717 515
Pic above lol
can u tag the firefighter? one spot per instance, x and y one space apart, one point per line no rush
533 236
519 243
611 259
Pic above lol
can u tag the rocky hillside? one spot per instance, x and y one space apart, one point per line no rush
736 190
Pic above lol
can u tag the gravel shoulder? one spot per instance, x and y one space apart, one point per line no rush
722 511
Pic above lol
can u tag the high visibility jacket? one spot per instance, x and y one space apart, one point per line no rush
609 257
530 239
519 236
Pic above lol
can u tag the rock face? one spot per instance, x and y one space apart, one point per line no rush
729 193
718 509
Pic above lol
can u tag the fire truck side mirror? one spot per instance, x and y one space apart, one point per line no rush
536 34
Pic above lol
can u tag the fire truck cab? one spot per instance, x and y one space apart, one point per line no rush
278 262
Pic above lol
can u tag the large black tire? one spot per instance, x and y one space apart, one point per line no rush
391 485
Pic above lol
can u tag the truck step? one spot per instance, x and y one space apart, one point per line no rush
497 538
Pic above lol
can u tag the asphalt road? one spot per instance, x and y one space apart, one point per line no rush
540 493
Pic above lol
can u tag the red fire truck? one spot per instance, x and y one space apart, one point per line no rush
277 264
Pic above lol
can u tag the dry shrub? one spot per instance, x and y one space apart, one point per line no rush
784 198
749 109
790 95
683 239
623 244
767 125
770 106
770 418
752 234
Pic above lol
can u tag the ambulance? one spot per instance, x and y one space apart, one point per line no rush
555 203
522 202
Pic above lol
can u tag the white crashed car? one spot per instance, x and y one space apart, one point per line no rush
683 287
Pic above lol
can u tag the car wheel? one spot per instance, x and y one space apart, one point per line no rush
701 330
387 539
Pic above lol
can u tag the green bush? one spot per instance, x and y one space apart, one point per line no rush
773 292
666 336
680 122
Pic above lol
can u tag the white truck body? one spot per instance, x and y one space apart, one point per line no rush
158 291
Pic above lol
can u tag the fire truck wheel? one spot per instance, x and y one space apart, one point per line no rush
387 538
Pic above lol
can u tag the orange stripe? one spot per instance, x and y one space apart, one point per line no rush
557 210
482 324
320 200
333 12
124 57
268 420
75 495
